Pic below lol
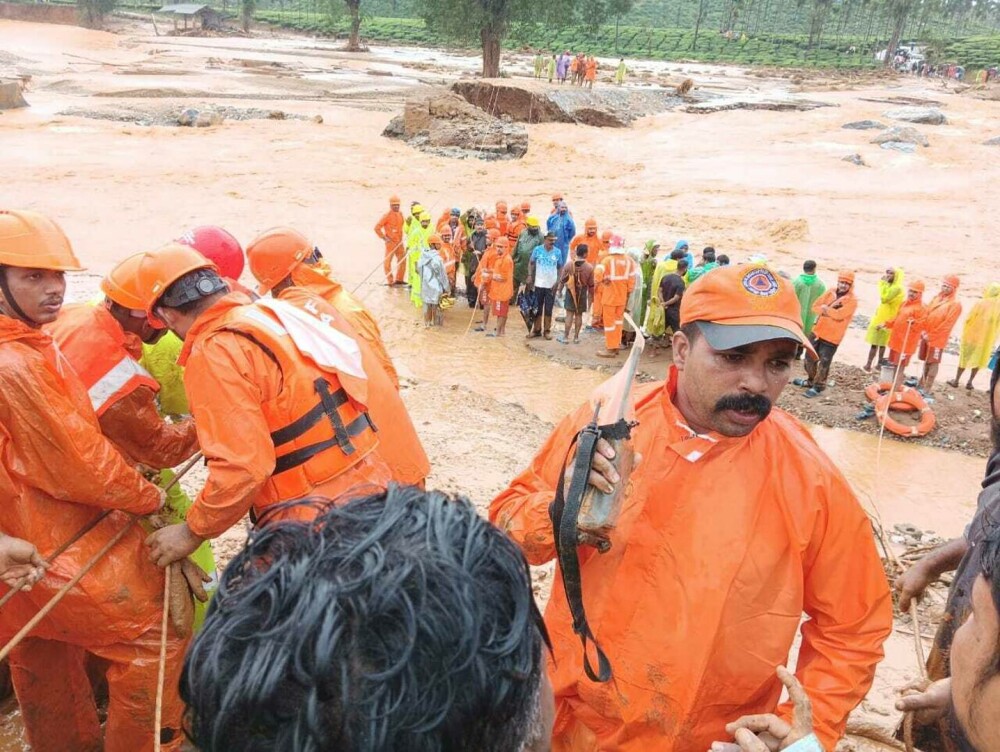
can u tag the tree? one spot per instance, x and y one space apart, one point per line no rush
247 8
490 21
92 12
354 42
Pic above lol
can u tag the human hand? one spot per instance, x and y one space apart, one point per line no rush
823 309
172 543
912 584
927 704
767 732
603 475
20 563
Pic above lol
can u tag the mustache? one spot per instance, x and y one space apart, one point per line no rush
756 404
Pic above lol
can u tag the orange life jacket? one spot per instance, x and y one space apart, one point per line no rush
97 348
616 268
319 425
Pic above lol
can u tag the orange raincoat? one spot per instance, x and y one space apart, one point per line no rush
942 315
245 381
721 545
593 243
832 324
614 276
502 278
57 472
122 392
390 229
360 317
907 327
399 445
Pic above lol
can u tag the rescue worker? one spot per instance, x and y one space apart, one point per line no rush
979 334
501 216
501 287
57 473
412 235
615 277
102 343
20 563
833 310
589 237
276 262
474 250
389 229
529 240
562 226
483 277
420 233
433 281
733 524
906 330
891 296
942 315
274 423
219 247
515 227
450 257
596 322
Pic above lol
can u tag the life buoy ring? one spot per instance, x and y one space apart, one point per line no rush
874 391
909 399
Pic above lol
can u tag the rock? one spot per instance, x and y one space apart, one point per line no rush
207 119
187 117
10 95
922 115
318 119
444 123
903 146
995 141
865 125
901 133
909 529
855 159
276 115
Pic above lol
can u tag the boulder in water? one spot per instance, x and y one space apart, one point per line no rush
855 159
865 125
920 115
904 146
10 95
901 134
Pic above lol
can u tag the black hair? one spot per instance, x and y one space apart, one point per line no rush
691 331
677 254
400 620
723 260
582 250
682 263
708 254
809 266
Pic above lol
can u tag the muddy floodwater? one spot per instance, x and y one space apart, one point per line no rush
743 181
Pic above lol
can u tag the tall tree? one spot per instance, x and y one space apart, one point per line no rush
92 12
491 20
247 8
354 9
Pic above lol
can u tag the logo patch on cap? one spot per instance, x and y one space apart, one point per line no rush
760 282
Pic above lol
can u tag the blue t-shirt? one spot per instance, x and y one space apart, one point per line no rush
546 266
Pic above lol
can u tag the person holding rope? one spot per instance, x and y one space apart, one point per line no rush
280 402
942 314
389 229
733 524
20 563
906 329
57 473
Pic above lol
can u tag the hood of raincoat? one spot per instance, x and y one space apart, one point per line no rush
13 330
992 290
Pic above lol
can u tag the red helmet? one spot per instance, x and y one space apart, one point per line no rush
219 247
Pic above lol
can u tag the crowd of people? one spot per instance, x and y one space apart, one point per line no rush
579 69
368 613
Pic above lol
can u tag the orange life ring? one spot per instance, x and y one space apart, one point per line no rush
911 400
875 391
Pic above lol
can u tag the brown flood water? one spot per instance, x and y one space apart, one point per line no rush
743 181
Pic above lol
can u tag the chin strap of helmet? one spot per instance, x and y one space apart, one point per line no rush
8 299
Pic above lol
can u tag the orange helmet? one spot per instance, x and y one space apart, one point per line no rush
557 197
159 269
525 207
121 285
501 206
274 253
393 200
217 246
434 239
493 233
515 211
606 235
590 224
33 241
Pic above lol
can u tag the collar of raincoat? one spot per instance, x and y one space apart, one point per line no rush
12 329
683 439
304 275
221 307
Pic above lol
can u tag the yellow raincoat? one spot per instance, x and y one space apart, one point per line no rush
891 296
979 334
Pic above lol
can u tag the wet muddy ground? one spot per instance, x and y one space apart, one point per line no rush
743 181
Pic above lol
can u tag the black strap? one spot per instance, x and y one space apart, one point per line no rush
298 427
293 459
565 513
11 301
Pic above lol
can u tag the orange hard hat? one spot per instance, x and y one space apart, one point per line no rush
501 206
435 239
161 268
393 200
846 275
501 242
515 211
740 305
590 223
557 197
525 207
606 235
274 253
121 285
33 241
219 247
917 284
493 233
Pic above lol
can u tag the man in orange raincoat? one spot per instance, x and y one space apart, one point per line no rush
276 263
834 310
589 237
281 406
58 473
450 255
907 330
502 219
501 285
390 231
733 524
103 344
942 315
516 225
596 316
615 276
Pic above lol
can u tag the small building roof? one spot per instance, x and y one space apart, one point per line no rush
183 9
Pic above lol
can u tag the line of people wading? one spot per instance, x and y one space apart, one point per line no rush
368 613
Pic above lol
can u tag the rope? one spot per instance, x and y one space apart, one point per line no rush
162 671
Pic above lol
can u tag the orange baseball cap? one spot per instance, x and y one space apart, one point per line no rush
735 306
